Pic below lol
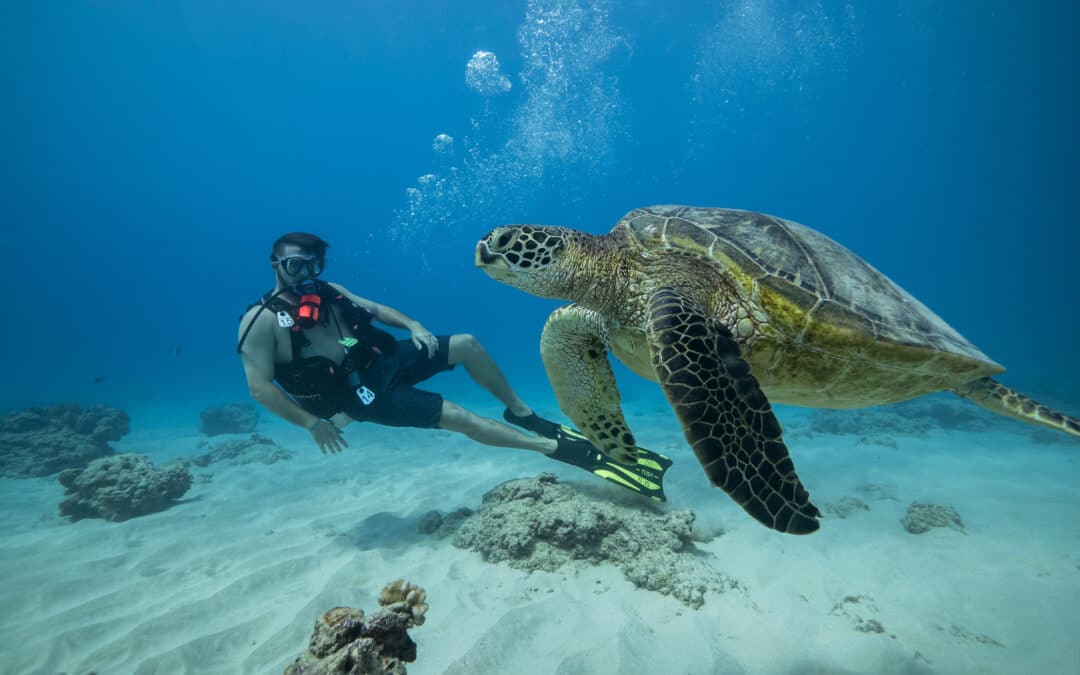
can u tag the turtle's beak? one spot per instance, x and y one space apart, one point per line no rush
488 261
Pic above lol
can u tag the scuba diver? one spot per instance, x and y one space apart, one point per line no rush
313 356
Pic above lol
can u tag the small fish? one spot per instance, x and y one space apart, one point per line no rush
177 352
99 379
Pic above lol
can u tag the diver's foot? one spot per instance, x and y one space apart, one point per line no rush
534 423
576 451
645 478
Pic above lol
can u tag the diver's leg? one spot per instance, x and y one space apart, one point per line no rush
490 432
467 350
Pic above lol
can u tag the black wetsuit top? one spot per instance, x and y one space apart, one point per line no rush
317 383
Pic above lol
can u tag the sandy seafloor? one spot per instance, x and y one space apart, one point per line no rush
232 578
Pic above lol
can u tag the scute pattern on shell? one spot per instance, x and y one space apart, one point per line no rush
790 259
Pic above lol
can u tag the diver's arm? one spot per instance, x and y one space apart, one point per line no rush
258 358
382 313
421 337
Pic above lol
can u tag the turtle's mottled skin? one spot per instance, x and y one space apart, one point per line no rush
728 310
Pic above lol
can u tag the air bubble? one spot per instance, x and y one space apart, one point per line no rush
443 144
484 75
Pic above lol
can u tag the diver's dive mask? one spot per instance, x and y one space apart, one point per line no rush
307 267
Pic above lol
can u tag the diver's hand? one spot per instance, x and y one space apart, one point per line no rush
423 339
328 436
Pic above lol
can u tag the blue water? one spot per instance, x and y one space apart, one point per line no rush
153 151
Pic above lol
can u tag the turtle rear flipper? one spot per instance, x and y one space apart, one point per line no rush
1002 400
724 414
575 358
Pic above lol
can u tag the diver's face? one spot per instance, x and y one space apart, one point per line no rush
294 264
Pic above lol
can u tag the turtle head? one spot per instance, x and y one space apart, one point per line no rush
532 258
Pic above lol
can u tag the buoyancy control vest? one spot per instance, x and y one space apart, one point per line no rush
311 378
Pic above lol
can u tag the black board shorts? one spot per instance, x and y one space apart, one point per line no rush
397 402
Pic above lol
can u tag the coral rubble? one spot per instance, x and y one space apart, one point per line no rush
541 524
882 425
232 418
857 609
844 508
434 522
43 441
346 642
121 487
257 448
921 517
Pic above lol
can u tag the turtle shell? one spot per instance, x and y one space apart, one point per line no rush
804 280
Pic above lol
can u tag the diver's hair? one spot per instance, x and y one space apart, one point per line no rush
308 243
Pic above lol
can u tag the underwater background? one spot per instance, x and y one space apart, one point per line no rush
153 151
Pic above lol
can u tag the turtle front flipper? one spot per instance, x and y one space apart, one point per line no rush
575 358
724 414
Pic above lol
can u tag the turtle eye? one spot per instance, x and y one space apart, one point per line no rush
503 240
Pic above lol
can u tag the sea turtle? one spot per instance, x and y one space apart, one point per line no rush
728 310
